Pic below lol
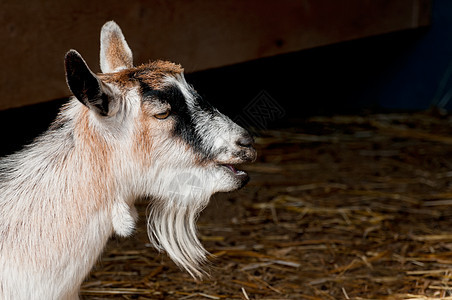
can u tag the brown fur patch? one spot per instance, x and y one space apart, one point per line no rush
150 132
95 153
116 54
151 73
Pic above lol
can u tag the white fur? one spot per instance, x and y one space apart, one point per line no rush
123 218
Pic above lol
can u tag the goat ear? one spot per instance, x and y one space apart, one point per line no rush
115 54
84 84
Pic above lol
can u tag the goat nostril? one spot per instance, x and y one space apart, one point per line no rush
245 141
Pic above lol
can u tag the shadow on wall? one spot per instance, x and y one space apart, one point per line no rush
404 71
422 77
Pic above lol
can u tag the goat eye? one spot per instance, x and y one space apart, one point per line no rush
163 115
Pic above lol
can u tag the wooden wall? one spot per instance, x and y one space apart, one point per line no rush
35 35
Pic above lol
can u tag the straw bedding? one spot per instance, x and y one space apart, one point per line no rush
344 207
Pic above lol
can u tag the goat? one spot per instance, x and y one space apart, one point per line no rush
127 133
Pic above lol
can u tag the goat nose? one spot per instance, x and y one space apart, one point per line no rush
245 141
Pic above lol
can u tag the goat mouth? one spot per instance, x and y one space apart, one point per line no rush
236 172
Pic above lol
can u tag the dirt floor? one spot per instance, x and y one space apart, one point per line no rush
343 207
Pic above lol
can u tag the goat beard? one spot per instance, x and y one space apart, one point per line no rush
172 228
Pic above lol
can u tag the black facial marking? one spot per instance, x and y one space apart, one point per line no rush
185 121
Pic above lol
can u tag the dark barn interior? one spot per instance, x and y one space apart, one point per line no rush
351 194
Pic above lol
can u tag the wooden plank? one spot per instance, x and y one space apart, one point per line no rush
34 36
